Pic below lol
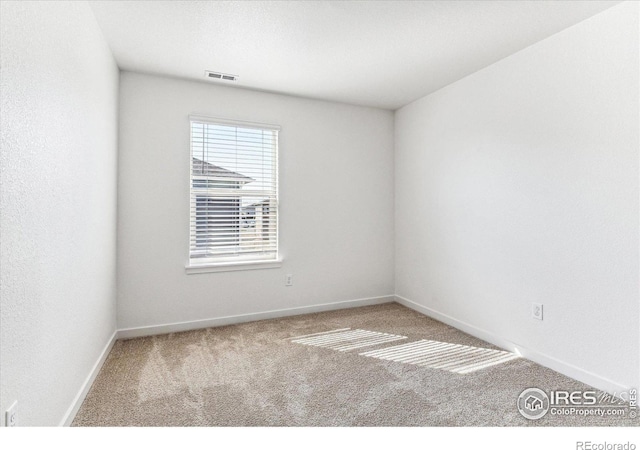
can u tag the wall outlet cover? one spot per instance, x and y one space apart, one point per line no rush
11 416
537 311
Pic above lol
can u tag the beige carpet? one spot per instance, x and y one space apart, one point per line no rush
255 374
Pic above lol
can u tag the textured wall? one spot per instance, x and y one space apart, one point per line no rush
336 203
58 204
519 184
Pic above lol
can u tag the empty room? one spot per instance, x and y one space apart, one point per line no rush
320 214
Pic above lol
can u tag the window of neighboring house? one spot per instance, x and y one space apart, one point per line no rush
234 193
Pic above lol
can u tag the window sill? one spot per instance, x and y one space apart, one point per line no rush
232 266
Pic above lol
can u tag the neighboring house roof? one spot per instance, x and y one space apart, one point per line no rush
260 203
202 168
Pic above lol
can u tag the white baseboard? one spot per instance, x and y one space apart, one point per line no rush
592 379
129 333
84 389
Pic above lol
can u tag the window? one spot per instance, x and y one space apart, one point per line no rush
234 193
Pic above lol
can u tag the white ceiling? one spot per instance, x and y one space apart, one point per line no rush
376 53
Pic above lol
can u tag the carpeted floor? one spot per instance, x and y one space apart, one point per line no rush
255 374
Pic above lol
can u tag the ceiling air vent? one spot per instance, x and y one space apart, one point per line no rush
220 76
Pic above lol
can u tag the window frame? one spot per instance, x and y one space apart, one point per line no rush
233 263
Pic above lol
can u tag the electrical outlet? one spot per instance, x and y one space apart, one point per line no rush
11 416
536 310
289 280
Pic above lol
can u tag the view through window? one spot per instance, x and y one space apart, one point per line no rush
234 192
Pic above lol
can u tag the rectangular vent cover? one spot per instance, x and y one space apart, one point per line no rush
220 76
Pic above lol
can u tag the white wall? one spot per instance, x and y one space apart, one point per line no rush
519 184
336 203
58 204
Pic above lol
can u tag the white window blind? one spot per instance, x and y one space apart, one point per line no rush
234 192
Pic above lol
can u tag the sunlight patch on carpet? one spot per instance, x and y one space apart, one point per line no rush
345 339
455 358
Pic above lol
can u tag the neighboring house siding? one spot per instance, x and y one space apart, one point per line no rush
217 224
220 216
